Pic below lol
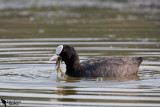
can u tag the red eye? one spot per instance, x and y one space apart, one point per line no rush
63 50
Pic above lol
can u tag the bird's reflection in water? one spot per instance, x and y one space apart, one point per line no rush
77 79
123 79
64 91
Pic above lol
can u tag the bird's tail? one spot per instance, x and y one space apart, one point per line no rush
139 60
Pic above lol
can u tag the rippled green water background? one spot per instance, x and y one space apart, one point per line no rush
30 31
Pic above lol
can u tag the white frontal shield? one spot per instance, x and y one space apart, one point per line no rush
58 51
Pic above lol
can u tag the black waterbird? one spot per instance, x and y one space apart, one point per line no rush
98 67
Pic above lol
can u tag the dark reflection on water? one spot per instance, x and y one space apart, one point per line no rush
30 33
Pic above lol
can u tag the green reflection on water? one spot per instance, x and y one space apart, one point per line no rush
77 22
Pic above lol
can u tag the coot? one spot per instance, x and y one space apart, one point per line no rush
98 67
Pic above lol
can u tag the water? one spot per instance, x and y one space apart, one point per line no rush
29 37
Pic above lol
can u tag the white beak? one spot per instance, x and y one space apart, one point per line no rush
55 56
58 51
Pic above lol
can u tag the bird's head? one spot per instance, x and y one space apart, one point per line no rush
63 53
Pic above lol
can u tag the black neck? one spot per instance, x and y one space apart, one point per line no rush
73 66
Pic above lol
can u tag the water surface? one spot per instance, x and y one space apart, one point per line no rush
29 37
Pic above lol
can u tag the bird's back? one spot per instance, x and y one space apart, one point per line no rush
111 66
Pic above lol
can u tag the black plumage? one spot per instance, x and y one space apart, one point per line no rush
98 67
